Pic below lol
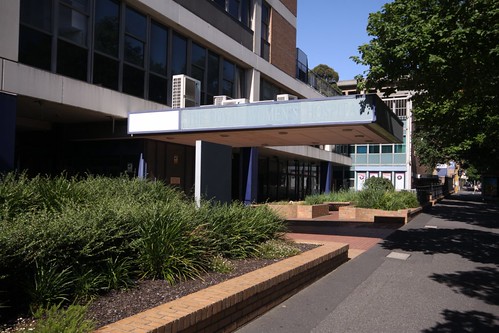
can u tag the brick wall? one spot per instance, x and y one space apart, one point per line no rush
283 44
291 5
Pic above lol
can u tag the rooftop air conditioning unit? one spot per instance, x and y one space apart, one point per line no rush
218 100
186 91
286 97
235 101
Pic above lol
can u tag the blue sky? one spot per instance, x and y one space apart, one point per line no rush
330 31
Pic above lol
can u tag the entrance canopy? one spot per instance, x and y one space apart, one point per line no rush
335 120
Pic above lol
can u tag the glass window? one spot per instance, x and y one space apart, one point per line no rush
159 48
268 90
133 81
72 60
213 82
73 25
35 48
134 51
107 27
373 149
351 149
246 12
361 149
105 72
37 13
229 70
221 3
265 45
135 24
399 148
198 61
158 89
386 149
135 35
179 63
233 8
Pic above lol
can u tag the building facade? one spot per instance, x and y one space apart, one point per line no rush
395 162
72 70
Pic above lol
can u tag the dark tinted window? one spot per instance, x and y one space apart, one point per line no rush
73 25
213 83
35 48
158 89
105 72
133 81
107 27
373 149
228 78
179 55
159 48
387 149
72 60
37 13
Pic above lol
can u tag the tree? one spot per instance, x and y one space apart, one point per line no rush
447 52
327 73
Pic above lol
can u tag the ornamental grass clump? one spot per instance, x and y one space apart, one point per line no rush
334 196
236 230
65 240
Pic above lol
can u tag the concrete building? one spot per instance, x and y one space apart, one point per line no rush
395 162
71 72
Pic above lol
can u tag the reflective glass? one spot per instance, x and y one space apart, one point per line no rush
134 51
71 60
179 62
73 25
133 81
107 27
37 13
105 72
135 24
158 48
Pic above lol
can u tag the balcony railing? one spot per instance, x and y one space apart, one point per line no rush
324 87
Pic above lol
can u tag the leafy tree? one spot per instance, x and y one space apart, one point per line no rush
447 52
327 73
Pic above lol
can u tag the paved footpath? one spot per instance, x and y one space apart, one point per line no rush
439 273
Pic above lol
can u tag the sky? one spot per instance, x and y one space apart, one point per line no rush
330 32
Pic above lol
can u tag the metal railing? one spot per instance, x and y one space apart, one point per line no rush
322 86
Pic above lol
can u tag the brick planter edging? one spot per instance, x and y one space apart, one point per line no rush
299 210
231 304
377 215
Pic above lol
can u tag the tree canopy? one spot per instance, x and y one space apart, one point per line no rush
327 73
447 52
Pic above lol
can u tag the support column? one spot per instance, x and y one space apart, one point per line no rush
8 106
326 176
249 172
213 172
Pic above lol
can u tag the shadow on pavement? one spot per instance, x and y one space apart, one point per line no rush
482 283
475 245
468 208
470 321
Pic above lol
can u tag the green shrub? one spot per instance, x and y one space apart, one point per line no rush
378 184
70 320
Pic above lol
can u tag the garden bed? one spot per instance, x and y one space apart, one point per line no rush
351 213
300 210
